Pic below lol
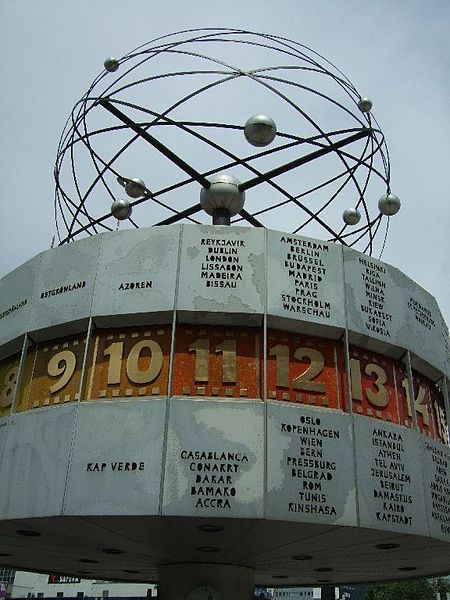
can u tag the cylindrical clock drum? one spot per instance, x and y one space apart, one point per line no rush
189 395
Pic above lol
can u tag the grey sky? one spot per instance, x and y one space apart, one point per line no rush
396 52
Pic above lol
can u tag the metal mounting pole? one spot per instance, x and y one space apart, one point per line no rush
221 216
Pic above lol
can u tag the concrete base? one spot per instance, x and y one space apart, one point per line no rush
197 581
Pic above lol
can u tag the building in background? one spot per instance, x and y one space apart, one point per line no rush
39 585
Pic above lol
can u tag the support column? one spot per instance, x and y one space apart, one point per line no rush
327 592
229 582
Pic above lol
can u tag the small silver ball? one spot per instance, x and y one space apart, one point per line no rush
351 216
223 193
389 204
260 130
365 105
135 188
111 64
121 209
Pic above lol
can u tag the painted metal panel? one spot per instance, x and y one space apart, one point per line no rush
217 360
375 297
65 286
137 275
306 290
215 459
310 466
35 463
16 296
131 362
222 273
426 333
3 432
117 457
9 369
443 328
436 460
390 483
305 370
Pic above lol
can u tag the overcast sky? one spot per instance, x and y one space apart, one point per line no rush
395 51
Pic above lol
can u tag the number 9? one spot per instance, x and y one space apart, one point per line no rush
63 364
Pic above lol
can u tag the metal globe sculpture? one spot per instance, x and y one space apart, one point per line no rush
163 115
